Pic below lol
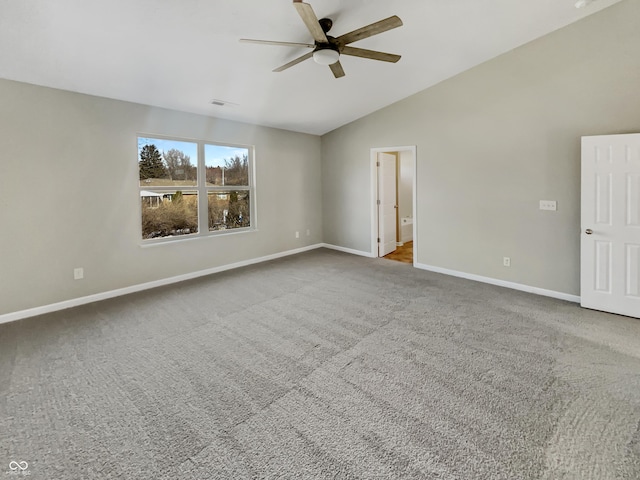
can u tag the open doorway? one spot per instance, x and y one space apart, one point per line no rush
393 203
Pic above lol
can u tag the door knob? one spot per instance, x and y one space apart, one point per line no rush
588 231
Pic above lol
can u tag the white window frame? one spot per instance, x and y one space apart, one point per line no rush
203 191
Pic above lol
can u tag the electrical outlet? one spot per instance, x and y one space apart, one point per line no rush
548 205
506 261
78 273
297 234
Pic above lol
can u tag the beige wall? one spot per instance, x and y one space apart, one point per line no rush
491 143
405 184
69 195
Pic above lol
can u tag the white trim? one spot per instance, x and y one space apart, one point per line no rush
501 283
32 312
373 201
414 149
348 250
155 242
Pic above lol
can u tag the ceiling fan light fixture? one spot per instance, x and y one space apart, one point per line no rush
326 56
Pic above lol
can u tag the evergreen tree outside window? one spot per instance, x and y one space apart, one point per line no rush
151 164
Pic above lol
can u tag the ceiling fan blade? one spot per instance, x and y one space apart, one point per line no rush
337 69
284 44
370 30
294 62
311 21
372 54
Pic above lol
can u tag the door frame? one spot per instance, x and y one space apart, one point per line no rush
374 196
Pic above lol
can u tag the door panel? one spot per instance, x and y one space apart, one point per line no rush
603 199
387 203
633 200
610 220
603 267
633 271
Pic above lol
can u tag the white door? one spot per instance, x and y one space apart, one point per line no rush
610 219
386 203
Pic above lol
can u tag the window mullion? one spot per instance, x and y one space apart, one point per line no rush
203 205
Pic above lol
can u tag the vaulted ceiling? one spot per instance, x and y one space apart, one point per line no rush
182 55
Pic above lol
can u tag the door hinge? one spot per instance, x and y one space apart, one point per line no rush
378 240
378 202
377 164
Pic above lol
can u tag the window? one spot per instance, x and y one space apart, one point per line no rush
228 187
193 188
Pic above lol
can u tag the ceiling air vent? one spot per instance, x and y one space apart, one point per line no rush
222 103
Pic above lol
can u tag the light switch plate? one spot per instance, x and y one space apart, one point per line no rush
548 205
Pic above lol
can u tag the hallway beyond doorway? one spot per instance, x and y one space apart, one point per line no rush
403 253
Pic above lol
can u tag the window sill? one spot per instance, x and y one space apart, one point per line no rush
154 242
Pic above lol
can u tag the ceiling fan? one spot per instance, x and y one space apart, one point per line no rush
327 49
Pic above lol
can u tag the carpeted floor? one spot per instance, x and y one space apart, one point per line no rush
322 365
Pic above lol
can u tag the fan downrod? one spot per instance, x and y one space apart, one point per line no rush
325 24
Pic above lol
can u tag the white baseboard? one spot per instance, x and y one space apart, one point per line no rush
32 312
348 250
501 283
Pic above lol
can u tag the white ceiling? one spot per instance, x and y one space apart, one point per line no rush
183 54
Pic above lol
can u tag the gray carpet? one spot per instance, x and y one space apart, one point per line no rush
322 365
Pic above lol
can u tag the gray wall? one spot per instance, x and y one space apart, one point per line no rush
491 143
69 195
405 184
